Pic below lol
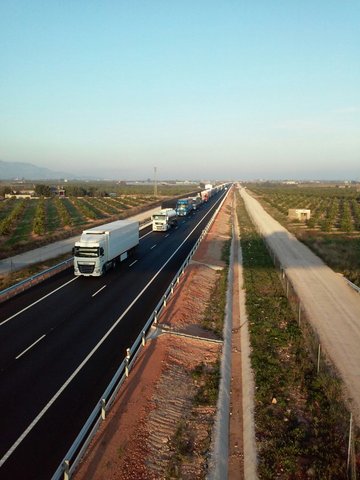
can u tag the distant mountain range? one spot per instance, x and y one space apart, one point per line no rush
28 171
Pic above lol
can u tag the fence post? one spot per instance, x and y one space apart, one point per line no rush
287 287
349 445
299 313
318 358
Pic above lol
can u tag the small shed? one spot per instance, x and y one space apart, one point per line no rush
21 194
301 214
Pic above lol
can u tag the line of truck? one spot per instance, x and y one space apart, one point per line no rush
185 206
101 248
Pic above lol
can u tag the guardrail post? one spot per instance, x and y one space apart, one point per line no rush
103 408
127 362
66 468
164 301
172 288
143 338
155 318
178 280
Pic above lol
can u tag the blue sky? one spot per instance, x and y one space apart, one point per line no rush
200 89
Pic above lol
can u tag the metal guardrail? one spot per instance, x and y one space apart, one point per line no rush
76 451
33 280
41 276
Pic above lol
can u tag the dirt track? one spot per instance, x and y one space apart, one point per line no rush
331 305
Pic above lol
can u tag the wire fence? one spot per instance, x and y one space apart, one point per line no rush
321 361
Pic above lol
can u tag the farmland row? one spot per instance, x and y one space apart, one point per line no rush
332 231
30 221
331 210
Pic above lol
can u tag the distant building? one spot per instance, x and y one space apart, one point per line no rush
20 194
301 214
57 191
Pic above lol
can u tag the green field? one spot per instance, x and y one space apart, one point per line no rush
333 230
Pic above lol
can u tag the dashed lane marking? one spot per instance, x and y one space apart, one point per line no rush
27 349
102 288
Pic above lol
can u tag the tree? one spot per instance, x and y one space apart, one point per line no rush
4 190
42 190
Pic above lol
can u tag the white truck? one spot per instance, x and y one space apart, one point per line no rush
100 248
163 220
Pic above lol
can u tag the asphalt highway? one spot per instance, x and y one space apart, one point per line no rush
62 341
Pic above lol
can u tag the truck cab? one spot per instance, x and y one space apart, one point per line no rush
89 256
184 207
163 220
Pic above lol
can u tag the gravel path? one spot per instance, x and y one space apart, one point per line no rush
330 304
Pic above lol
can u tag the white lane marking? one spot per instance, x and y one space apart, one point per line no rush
167 235
36 341
146 234
102 288
133 263
37 301
153 246
87 358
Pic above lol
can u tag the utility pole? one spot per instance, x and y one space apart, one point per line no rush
155 183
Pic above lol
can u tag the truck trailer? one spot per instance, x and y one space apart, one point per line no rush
102 247
184 207
205 195
163 220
